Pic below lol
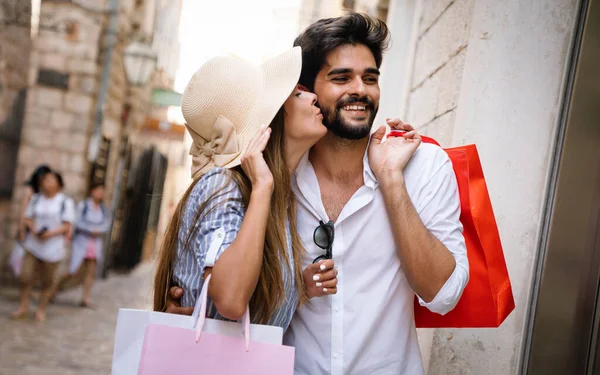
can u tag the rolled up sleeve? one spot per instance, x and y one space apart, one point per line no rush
213 230
222 221
440 213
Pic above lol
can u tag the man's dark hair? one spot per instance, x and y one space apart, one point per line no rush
325 35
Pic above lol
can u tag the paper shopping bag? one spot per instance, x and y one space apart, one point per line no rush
16 258
172 350
487 299
132 324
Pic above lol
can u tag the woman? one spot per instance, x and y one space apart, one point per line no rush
90 225
237 220
32 186
48 217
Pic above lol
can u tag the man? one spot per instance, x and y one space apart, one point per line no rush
394 208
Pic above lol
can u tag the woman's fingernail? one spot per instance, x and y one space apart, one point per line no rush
316 277
325 290
322 267
319 285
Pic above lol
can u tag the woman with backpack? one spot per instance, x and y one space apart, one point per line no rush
48 217
91 223
32 186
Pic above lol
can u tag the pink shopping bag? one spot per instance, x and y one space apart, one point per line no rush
172 350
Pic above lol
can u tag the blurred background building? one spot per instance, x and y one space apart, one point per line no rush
86 83
510 76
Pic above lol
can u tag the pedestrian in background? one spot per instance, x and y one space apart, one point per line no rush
47 221
32 186
91 223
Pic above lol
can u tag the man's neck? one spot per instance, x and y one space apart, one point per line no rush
338 159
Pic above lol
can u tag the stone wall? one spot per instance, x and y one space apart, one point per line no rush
437 72
15 51
60 114
60 104
491 73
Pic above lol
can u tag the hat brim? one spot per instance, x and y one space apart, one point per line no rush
280 77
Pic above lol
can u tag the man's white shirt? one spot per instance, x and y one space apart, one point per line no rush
368 326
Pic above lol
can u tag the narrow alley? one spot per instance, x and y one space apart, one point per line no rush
73 340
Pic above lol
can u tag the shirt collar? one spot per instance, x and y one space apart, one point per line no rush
305 167
368 175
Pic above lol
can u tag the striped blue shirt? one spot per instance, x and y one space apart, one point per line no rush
225 214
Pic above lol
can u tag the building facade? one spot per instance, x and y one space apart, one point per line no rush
18 22
80 107
495 74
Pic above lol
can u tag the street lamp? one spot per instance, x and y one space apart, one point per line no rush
140 61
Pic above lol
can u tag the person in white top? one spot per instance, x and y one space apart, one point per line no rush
390 208
91 223
394 207
48 218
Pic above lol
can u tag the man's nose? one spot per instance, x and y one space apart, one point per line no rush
357 88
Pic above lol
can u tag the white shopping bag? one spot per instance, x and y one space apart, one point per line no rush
131 328
16 258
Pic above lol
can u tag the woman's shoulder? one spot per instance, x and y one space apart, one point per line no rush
216 181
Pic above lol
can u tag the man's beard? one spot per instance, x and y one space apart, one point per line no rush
336 124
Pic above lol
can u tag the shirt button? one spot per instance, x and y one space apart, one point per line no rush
219 235
336 356
337 309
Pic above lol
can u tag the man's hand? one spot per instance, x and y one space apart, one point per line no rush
397 124
320 278
390 157
174 304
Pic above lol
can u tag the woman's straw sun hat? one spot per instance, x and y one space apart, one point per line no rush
228 99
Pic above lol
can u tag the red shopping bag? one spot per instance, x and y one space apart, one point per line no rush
487 299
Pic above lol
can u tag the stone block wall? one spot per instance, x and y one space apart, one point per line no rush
437 72
59 112
15 53
65 72
491 73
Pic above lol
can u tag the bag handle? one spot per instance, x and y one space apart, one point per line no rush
424 139
203 301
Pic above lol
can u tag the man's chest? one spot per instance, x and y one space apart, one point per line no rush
362 233
336 195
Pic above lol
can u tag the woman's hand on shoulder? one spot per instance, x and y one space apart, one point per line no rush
253 162
320 278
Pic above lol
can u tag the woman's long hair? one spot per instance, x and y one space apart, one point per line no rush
269 293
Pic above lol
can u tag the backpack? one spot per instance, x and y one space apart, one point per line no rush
36 200
86 208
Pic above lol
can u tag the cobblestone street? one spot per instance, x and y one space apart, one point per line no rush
73 340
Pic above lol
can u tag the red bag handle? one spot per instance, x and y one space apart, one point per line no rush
399 133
